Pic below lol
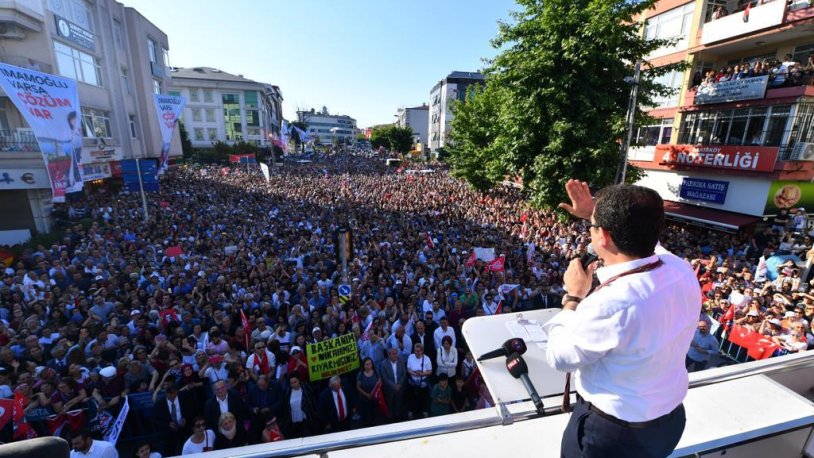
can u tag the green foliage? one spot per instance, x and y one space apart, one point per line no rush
393 137
220 151
555 98
186 144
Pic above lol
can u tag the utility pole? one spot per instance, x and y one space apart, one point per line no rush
621 169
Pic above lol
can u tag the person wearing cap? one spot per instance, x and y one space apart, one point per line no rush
297 364
703 346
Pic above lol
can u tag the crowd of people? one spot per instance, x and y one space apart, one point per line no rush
785 72
123 305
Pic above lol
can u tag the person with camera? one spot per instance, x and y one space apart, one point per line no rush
625 339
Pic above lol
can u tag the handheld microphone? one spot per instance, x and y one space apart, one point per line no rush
588 257
510 346
518 368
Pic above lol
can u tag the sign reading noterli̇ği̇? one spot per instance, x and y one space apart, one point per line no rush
734 157
332 357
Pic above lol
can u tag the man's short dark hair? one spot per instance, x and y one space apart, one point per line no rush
634 216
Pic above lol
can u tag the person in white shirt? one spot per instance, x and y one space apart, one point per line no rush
702 347
419 369
261 362
84 446
444 330
626 340
201 440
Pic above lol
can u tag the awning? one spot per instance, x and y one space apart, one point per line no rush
717 219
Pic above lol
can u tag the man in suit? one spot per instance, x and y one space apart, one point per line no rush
425 338
393 373
224 401
337 404
264 401
172 417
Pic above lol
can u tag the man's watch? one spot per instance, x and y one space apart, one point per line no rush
569 298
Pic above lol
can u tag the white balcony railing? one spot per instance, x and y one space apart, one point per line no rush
739 23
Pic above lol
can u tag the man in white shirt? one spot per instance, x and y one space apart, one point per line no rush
627 340
443 330
419 369
84 446
261 362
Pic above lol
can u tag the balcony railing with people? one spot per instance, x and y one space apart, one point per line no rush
729 19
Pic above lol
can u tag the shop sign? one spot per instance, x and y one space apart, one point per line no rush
729 157
789 195
23 179
101 153
711 191
73 32
732 91
97 171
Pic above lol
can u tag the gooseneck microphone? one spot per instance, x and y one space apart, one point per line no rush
519 369
510 346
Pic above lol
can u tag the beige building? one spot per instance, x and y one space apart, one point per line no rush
118 58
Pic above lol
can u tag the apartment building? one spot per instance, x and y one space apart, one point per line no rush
119 59
416 118
734 143
327 129
453 87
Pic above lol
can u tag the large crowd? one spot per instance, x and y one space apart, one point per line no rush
123 306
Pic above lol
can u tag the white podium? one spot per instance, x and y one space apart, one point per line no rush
484 334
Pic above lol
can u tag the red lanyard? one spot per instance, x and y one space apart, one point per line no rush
645 268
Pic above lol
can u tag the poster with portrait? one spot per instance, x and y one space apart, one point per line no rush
50 106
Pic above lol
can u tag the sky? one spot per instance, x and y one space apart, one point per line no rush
362 58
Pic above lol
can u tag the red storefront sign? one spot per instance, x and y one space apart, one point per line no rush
730 157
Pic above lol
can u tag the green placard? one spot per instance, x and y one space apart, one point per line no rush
332 357
789 194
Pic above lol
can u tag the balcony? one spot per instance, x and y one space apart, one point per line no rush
18 15
784 94
19 140
758 17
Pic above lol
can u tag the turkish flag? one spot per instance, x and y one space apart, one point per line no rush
22 430
471 261
378 396
728 317
743 336
6 409
762 348
498 264
174 251
247 330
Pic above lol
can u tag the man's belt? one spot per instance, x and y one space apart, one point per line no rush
626 424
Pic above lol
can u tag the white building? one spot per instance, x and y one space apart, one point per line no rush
417 118
453 87
119 59
226 107
329 128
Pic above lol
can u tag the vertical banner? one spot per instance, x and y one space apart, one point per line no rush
285 136
265 169
168 108
112 433
50 105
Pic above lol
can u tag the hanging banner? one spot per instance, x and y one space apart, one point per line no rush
265 169
168 108
332 357
285 136
50 106
789 195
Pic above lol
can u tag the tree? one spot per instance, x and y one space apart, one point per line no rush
186 145
395 138
555 98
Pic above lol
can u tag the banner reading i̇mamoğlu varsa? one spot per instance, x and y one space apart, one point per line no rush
50 106
332 357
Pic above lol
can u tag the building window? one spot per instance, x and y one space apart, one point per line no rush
78 65
96 123
207 96
152 51
125 82
117 33
133 127
670 80
210 115
253 131
156 86
193 95
250 99
174 93
675 23
212 134
801 53
232 122
655 134
196 114
756 126
199 134
165 56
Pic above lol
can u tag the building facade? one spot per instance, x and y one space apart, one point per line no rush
328 129
118 59
453 87
226 107
733 143
416 118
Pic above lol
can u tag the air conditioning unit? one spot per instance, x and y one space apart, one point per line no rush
803 152
12 31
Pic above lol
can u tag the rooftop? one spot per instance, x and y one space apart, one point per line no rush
207 73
